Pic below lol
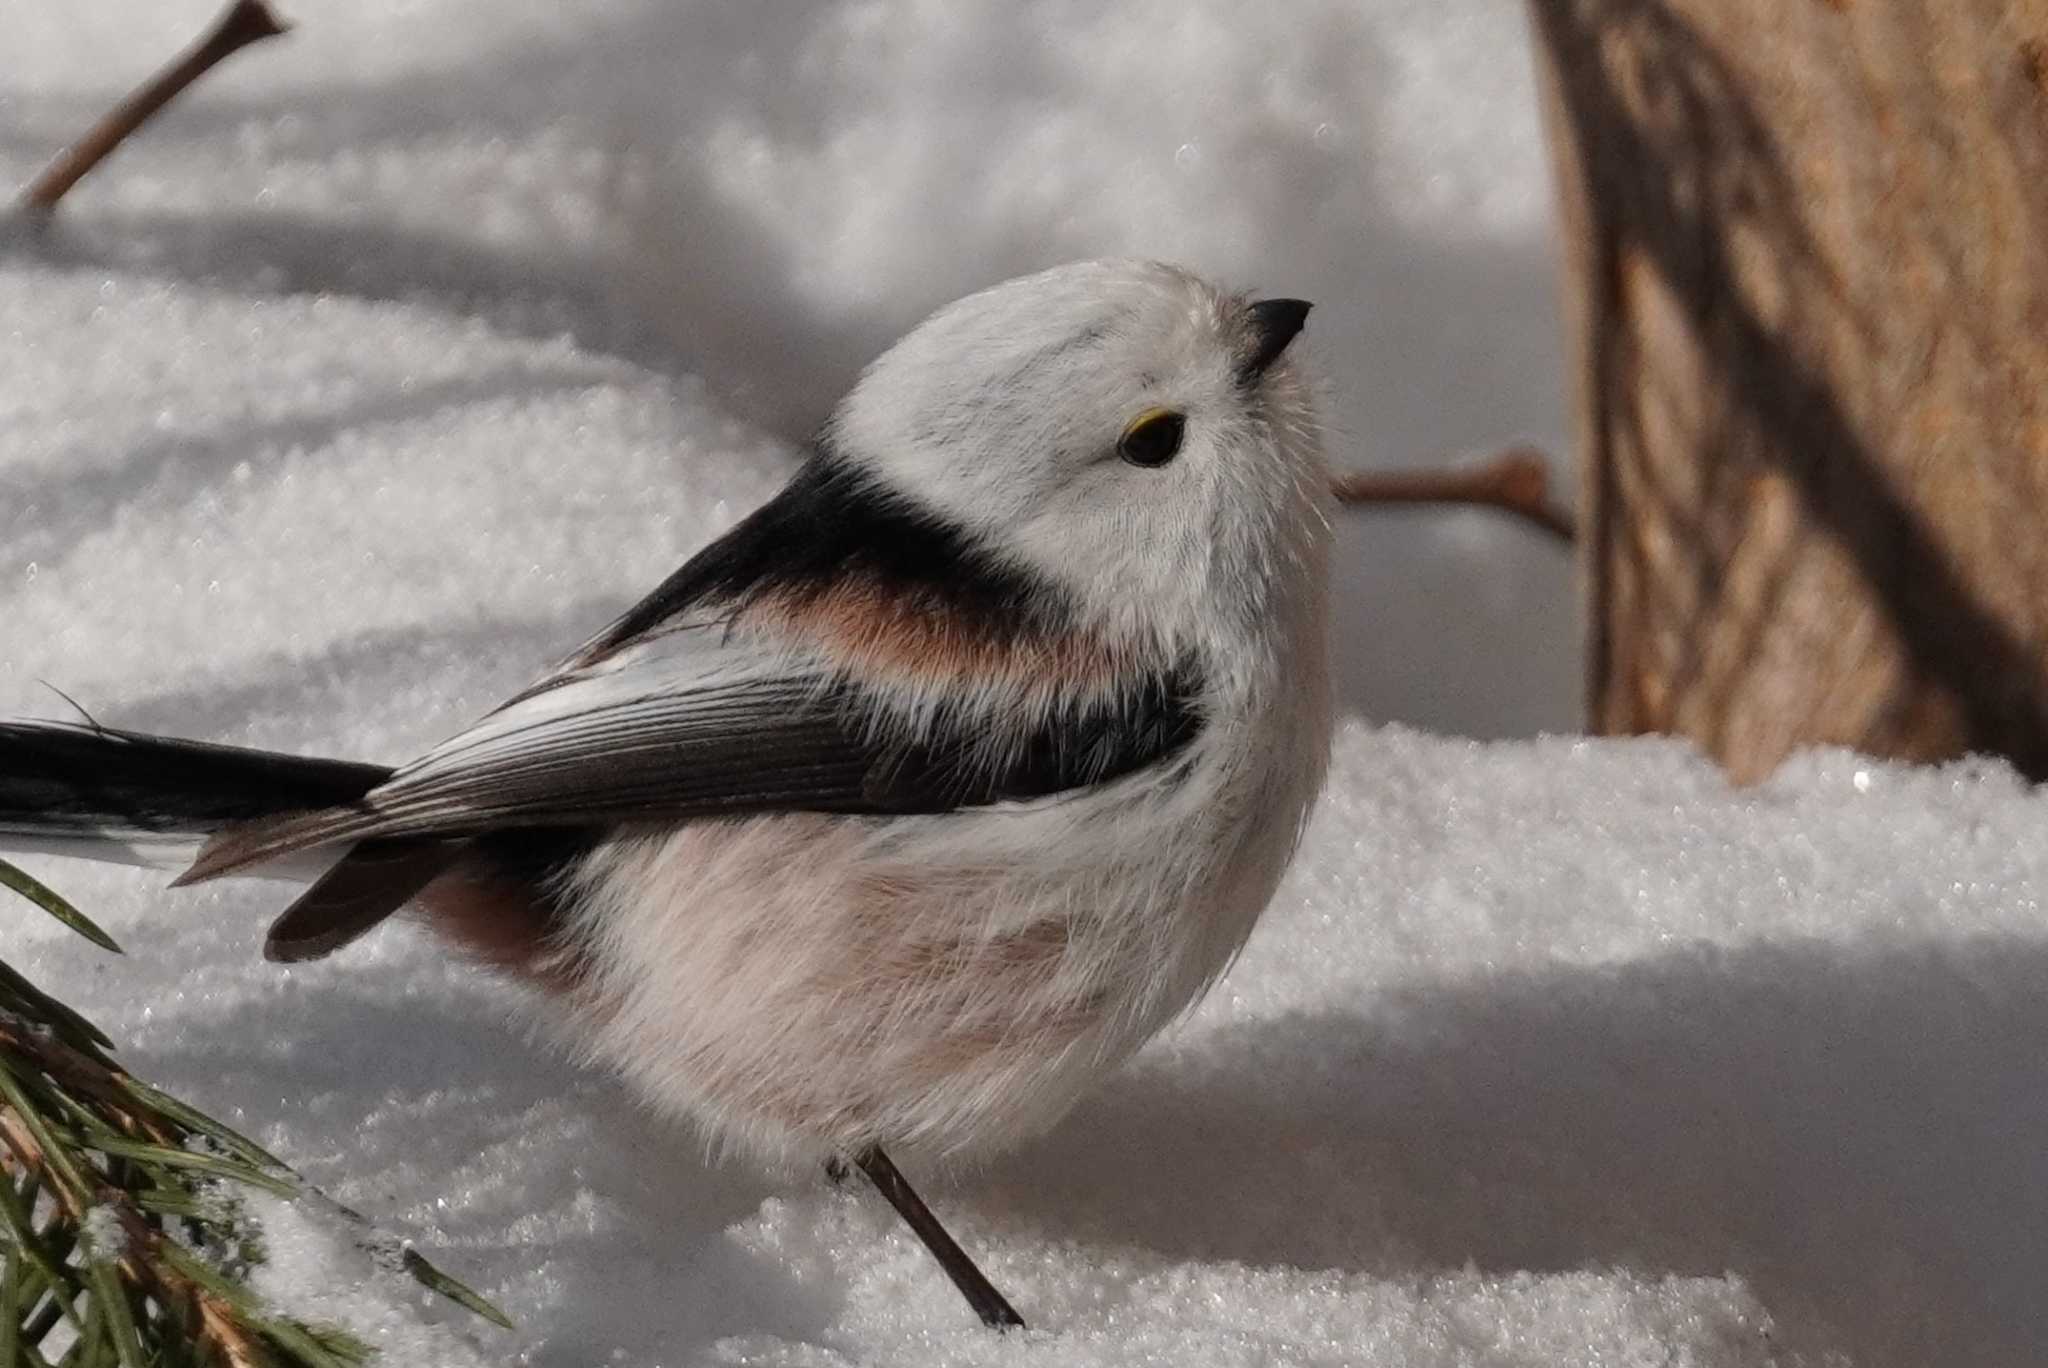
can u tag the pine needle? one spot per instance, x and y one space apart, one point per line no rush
32 888
434 1280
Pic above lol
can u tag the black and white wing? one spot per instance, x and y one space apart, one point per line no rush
750 683
692 724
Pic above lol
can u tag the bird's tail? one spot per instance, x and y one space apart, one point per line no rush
102 794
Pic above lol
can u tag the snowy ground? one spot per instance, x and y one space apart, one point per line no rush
365 385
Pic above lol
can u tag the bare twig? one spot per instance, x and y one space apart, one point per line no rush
1516 481
240 24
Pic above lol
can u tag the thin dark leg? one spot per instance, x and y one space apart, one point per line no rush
979 1291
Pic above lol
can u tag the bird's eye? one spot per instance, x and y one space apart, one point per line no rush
1153 438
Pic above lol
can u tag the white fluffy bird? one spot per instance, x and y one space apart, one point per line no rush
906 810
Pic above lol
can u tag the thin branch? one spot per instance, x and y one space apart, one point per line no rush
1516 481
242 23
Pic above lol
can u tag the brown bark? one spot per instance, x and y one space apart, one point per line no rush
1807 260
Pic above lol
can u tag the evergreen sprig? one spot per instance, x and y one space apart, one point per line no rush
125 1242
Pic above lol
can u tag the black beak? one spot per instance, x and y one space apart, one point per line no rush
1274 324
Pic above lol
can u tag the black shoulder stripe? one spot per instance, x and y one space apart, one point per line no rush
958 765
831 523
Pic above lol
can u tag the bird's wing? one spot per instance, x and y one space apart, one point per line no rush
693 721
838 652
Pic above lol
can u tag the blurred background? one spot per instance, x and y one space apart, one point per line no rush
766 195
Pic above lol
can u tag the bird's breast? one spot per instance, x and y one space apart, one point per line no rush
807 982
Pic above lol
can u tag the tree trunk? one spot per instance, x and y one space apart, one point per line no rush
1807 255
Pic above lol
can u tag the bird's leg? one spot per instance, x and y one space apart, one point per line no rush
980 1293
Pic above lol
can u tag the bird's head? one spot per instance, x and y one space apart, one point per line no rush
1119 429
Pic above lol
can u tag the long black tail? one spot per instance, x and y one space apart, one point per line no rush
101 794
63 783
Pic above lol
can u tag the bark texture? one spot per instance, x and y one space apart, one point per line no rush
1807 259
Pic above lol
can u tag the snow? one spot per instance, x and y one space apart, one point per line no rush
412 346
105 1238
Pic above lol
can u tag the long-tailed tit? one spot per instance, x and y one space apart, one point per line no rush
907 809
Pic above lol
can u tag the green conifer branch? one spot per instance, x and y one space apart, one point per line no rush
123 1241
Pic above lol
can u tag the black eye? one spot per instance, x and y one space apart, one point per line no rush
1153 438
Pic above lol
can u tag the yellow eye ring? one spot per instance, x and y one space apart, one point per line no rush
1153 437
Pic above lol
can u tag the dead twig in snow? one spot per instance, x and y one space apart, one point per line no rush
240 24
